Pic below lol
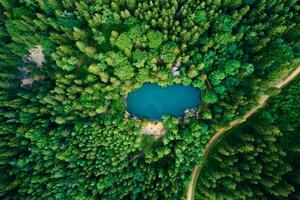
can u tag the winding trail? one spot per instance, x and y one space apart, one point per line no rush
221 132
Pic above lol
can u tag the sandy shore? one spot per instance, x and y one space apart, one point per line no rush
154 128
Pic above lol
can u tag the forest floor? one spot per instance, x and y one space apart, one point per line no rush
221 132
37 56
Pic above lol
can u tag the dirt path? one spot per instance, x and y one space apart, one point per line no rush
218 135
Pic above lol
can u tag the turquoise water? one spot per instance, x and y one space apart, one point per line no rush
152 101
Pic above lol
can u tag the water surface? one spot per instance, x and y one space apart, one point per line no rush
152 101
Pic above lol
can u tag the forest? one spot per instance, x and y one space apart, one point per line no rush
259 159
64 129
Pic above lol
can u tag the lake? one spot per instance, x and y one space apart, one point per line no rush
152 101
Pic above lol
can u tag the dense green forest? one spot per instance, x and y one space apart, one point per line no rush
64 129
261 158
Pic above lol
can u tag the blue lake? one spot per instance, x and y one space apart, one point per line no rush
152 101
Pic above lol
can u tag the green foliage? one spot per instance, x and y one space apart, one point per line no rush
210 98
67 135
124 42
259 159
155 39
146 142
124 72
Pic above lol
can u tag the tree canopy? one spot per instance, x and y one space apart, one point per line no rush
259 159
64 129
